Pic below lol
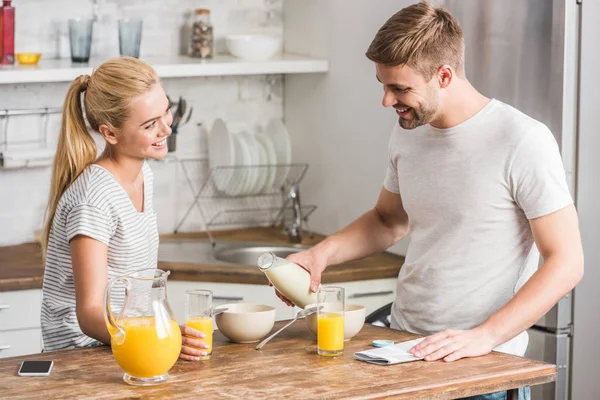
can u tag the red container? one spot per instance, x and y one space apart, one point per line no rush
7 33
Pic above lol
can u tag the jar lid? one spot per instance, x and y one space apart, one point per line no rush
200 11
382 343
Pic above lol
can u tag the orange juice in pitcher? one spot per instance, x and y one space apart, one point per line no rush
141 335
145 338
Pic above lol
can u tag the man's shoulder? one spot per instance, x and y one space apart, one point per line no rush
513 123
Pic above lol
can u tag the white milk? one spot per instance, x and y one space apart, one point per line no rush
290 279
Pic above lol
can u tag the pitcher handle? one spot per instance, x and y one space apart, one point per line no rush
111 323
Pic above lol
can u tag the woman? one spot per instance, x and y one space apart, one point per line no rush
100 221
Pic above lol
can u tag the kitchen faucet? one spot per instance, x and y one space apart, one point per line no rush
295 227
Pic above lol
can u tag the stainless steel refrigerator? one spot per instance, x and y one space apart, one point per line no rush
526 53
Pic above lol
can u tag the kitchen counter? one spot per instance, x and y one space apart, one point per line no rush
287 367
189 258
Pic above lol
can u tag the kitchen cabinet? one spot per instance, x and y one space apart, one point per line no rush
20 326
372 294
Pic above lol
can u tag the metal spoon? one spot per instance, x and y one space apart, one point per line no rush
301 313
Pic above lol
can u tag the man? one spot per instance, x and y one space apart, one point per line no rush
479 186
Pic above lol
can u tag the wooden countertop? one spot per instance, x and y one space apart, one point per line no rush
21 266
287 367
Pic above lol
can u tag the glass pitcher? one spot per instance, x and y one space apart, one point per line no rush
145 337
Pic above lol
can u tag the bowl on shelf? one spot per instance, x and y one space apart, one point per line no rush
28 58
245 322
254 47
354 320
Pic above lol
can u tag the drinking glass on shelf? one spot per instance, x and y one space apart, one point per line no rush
130 37
199 316
80 38
330 317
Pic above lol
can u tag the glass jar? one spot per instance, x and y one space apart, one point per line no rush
202 40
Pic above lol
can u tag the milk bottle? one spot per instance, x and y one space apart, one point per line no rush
290 279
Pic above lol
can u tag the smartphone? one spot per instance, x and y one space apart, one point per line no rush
35 368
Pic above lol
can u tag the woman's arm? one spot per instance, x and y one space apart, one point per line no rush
90 271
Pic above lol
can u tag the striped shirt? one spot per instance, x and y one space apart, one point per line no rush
97 206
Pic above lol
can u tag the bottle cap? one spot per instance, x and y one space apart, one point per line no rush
382 343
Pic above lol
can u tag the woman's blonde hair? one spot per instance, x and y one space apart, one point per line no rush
107 95
421 36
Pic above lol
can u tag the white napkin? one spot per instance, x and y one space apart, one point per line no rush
395 354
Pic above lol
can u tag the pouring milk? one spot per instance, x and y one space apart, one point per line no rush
290 279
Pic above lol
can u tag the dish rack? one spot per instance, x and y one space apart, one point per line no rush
18 153
233 196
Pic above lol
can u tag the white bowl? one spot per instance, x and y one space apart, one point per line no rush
253 47
245 323
354 320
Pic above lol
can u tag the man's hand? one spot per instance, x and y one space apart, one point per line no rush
452 345
311 261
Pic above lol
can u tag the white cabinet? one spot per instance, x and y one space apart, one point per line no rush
224 293
20 342
20 328
373 294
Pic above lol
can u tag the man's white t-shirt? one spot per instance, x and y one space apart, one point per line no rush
469 192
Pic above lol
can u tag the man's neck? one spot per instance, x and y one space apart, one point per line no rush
461 103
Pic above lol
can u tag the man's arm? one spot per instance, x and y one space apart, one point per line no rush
373 232
557 237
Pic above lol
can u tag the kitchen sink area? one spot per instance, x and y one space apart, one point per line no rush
222 253
249 255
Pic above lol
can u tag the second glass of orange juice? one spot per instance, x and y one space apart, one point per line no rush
330 317
199 316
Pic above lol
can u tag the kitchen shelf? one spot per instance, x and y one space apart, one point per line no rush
64 70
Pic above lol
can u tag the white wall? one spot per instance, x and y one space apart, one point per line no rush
336 121
242 101
586 351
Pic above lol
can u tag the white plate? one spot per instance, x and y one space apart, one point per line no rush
249 146
253 172
221 152
271 160
251 159
238 175
278 134
263 170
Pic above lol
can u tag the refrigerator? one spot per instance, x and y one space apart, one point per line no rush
526 53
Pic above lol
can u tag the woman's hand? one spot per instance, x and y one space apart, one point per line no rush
192 348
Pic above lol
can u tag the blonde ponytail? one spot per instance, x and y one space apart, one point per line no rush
76 150
107 96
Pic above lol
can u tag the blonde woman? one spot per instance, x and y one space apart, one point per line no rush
100 219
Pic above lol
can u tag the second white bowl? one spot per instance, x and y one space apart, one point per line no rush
253 47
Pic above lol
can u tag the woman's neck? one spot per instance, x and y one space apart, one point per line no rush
127 170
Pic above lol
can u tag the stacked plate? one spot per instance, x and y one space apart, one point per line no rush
260 153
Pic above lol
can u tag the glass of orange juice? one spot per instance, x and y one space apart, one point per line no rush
199 316
330 317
